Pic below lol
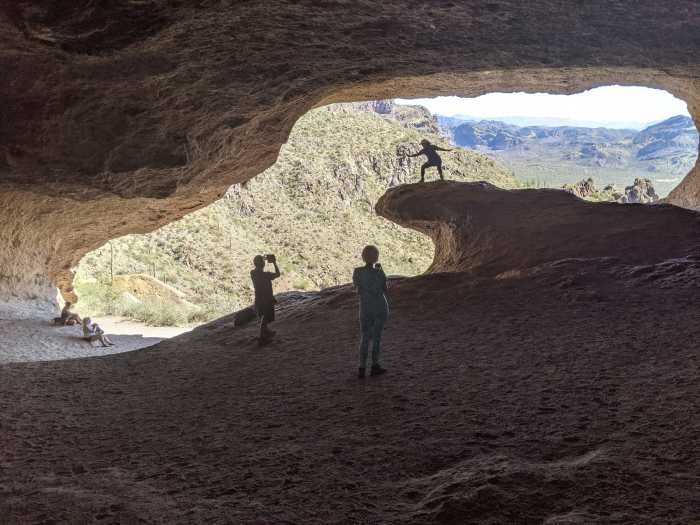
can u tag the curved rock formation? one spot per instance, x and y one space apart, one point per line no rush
483 230
119 117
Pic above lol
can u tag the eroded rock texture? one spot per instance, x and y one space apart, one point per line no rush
121 116
483 230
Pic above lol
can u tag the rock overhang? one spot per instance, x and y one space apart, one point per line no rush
119 117
483 230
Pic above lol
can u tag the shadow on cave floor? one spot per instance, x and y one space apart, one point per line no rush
530 399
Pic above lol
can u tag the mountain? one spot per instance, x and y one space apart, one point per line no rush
550 122
665 151
314 208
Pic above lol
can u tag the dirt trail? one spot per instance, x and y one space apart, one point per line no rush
570 395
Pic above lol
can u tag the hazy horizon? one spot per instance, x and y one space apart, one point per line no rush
619 107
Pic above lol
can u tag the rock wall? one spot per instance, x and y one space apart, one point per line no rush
486 231
120 116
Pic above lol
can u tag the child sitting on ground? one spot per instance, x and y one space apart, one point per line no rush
93 332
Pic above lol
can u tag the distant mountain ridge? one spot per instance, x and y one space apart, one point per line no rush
666 150
550 122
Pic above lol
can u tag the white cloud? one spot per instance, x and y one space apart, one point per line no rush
609 104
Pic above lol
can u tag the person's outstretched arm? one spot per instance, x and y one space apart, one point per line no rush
441 149
417 154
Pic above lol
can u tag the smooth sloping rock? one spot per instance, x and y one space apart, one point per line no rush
484 230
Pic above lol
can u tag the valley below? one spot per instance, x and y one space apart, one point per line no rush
552 156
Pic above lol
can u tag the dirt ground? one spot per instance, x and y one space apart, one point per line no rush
38 339
569 395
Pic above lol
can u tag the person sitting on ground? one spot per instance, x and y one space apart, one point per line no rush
370 282
434 160
264 297
67 317
93 332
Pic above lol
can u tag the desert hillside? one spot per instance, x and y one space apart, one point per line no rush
313 208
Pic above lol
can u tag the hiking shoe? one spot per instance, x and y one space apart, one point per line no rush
361 373
377 370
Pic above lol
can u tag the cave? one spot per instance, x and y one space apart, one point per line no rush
107 132
120 117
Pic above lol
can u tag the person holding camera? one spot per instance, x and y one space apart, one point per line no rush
370 282
264 297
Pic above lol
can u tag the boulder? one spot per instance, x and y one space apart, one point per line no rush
640 192
582 189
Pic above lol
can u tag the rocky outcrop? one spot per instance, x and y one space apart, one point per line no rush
119 117
480 229
582 189
641 192
410 117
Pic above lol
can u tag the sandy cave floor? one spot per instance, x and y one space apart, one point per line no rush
23 340
544 399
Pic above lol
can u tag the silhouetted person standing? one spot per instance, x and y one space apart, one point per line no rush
370 282
434 160
264 298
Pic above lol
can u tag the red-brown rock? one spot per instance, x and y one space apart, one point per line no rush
118 117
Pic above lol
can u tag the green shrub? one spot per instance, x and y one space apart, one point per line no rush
98 299
95 298
156 312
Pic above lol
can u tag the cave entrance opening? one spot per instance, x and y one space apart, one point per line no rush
613 135
314 208
336 163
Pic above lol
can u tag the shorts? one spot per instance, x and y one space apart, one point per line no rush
266 312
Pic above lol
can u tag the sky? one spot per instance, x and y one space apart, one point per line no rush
616 106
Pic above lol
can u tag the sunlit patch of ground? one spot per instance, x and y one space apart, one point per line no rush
39 340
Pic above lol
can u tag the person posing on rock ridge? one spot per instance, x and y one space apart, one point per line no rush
370 282
264 297
430 151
